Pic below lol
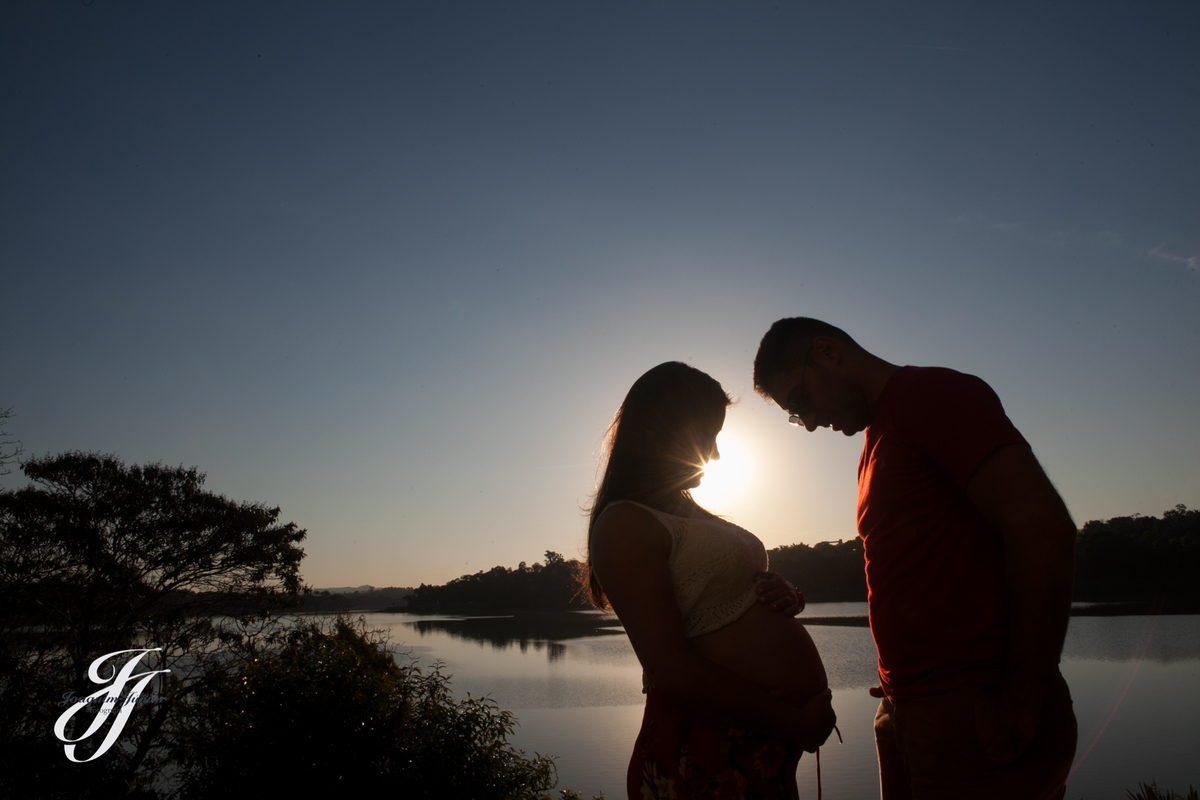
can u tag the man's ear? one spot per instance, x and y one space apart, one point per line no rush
829 351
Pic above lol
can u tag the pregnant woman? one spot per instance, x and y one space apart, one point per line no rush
735 687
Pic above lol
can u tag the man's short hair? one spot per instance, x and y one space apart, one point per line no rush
786 342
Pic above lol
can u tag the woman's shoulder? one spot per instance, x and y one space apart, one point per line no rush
628 512
631 518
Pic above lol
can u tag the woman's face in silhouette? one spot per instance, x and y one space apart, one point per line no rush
702 448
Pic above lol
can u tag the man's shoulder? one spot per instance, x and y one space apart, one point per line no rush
942 375
938 398
944 384
954 417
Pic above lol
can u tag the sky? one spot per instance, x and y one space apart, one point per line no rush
393 266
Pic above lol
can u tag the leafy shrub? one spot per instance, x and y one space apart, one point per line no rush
316 711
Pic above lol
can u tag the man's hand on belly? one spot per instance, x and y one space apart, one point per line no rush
778 594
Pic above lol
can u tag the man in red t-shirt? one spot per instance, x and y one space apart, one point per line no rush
969 553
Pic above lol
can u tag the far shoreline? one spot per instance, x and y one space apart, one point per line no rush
1078 609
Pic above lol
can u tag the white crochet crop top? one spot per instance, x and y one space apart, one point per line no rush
713 563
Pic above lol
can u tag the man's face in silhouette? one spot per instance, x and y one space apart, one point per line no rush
818 393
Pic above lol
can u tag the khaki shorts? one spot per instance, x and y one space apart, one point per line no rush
928 750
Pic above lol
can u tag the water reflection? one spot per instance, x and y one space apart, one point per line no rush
849 655
1135 682
537 631
1164 639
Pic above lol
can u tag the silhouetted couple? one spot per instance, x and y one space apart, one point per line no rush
968 559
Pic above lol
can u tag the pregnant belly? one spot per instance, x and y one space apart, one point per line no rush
767 648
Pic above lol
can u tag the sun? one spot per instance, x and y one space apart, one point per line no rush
726 479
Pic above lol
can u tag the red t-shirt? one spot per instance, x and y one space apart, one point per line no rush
935 572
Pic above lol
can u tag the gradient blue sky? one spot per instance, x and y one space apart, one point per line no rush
392 266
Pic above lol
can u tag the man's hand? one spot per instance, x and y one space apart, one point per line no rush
775 591
1006 721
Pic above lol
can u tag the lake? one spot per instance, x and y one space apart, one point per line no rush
574 685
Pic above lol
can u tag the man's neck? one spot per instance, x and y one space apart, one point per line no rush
875 376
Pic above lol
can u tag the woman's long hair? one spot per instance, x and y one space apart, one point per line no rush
655 445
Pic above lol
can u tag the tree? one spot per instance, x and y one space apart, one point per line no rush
552 587
10 448
1140 559
825 572
97 557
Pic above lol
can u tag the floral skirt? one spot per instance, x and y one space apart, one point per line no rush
681 756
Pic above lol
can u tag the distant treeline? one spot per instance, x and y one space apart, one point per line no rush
1139 560
323 602
552 586
827 572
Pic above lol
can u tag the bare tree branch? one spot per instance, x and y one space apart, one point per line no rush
10 448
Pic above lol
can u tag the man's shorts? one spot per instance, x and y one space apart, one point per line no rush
929 750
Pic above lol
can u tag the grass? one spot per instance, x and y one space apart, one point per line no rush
1150 791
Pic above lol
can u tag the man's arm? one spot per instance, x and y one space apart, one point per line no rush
1015 497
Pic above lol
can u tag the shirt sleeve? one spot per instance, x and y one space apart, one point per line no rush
957 421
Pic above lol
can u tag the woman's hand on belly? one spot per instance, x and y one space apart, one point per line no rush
777 593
